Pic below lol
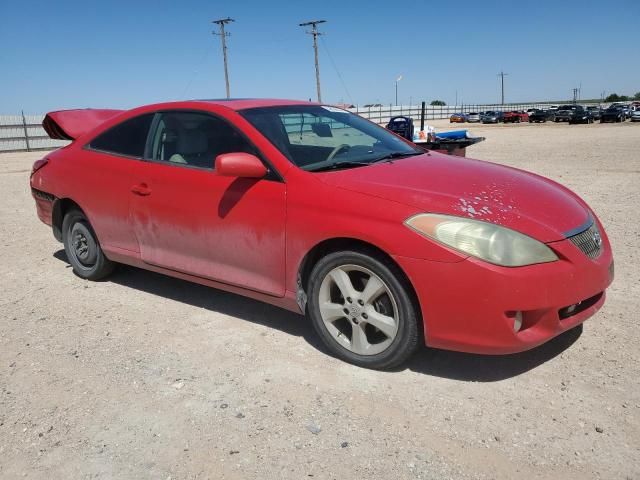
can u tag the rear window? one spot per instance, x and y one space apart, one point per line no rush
127 138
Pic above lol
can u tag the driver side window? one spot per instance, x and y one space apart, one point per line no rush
195 139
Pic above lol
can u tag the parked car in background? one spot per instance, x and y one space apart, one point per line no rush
564 113
338 223
538 116
635 115
473 117
515 116
580 115
614 113
596 111
625 107
458 118
491 117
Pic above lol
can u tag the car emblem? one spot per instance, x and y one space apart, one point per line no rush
597 239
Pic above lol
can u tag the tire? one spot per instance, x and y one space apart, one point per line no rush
83 249
351 314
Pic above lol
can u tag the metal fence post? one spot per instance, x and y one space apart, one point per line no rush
26 133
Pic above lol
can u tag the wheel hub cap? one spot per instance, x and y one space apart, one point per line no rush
83 246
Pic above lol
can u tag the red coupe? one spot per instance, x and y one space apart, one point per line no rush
319 211
515 116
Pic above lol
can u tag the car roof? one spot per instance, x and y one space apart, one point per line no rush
231 103
243 103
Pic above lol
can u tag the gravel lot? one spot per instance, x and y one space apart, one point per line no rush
144 376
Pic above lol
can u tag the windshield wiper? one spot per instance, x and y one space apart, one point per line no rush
393 155
341 164
354 163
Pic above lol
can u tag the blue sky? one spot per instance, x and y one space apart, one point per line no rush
69 54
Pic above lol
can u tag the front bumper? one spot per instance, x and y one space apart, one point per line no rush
470 305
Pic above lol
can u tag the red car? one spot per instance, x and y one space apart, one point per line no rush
319 211
515 117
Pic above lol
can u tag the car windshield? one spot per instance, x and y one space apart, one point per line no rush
317 137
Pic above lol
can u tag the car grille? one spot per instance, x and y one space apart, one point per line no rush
589 241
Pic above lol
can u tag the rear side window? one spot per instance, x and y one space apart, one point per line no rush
127 138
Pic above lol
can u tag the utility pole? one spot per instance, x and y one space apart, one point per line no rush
502 75
580 92
223 36
575 94
314 31
397 80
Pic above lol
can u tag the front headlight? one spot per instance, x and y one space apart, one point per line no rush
487 241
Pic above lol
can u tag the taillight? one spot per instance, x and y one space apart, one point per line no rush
38 164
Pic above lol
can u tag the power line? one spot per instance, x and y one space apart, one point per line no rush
223 36
502 75
314 31
324 44
197 70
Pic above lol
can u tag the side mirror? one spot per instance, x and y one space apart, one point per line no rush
321 129
239 164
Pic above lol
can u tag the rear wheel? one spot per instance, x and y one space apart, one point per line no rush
82 247
362 310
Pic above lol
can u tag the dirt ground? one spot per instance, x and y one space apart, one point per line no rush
144 376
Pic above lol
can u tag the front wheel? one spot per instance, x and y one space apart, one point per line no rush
362 309
83 249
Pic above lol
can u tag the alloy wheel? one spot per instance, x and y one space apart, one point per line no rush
358 309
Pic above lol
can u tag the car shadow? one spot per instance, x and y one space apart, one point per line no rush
489 368
428 361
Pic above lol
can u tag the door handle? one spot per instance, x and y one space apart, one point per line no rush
141 189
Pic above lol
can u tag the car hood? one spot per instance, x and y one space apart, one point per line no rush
459 186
